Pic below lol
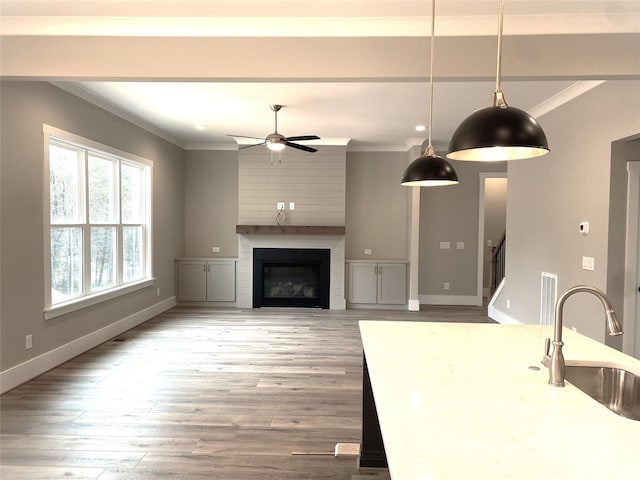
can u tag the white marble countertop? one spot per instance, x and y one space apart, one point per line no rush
458 402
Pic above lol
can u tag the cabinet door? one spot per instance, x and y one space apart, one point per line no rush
363 282
392 283
192 281
221 281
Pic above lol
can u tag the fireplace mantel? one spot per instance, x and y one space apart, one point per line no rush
290 230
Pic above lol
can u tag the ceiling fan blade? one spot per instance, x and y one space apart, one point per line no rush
301 147
302 137
244 136
242 147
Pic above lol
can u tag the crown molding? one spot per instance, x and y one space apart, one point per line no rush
84 94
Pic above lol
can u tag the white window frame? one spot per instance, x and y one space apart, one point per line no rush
93 298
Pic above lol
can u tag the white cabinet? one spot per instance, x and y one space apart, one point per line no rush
377 283
206 280
221 281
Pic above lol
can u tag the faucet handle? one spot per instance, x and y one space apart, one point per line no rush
546 359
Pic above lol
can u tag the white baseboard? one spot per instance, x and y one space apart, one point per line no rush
450 300
24 372
414 305
496 314
375 306
501 317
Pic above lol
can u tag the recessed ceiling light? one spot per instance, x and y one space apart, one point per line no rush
420 128
201 127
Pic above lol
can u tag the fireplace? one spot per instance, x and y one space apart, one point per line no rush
291 277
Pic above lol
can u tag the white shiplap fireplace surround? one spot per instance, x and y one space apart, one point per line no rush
315 184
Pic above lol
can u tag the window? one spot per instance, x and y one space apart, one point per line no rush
98 226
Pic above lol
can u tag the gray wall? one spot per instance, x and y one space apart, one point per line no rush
451 214
25 106
211 203
548 197
377 206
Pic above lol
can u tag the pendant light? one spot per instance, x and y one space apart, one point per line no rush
430 170
499 132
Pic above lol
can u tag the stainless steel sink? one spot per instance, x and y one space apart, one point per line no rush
615 388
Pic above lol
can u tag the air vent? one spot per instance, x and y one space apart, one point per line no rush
548 296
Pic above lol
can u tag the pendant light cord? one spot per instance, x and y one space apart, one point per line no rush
430 150
498 96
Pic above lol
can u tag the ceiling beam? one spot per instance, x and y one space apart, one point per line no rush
532 57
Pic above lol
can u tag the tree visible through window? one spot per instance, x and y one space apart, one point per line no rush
98 205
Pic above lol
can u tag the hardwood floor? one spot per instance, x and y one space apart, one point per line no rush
200 393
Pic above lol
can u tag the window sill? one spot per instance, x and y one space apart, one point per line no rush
94 299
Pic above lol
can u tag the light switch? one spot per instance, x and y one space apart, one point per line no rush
292 206
368 251
445 245
588 263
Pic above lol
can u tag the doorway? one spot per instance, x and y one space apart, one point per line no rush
631 338
491 225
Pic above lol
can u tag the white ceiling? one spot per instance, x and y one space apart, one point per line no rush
368 112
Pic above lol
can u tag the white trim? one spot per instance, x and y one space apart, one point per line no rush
502 318
565 96
450 300
85 145
631 260
84 302
496 314
83 93
413 305
24 372
481 248
374 306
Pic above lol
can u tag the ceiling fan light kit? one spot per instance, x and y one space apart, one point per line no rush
277 142
430 170
498 132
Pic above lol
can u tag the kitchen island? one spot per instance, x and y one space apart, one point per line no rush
460 401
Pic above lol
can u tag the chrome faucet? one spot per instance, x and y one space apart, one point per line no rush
555 361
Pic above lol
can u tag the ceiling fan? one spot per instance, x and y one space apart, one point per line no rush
277 142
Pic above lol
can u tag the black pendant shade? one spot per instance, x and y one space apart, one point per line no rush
429 171
498 133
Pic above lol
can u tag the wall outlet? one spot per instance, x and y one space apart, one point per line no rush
445 245
280 205
368 251
292 206
583 228
28 342
508 303
459 245
215 249
446 285
158 292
